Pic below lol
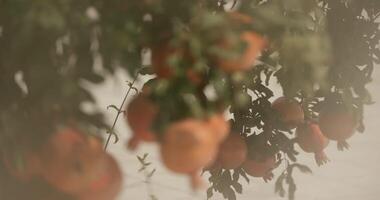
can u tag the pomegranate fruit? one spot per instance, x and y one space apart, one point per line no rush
337 123
260 168
311 140
219 126
108 185
291 112
75 163
232 152
187 147
254 45
140 114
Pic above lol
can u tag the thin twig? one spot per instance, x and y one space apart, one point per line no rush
376 16
118 113
233 4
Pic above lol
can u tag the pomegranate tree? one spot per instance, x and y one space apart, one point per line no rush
212 103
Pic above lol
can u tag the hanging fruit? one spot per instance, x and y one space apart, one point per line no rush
232 152
140 114
311 140
219 126
77 165
209 59
187 147
291 112
260 167
252 43
338 123
108 185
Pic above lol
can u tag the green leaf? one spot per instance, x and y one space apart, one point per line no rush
279 188
236 175
244 175
151 173
229 193
238 187
291 190
142 168
113 107
141 160
210 192
113 133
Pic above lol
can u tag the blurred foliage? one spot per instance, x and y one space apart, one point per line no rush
321 52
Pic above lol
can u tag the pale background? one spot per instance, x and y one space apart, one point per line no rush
351 175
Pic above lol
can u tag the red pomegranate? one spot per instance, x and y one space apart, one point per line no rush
108 185
260 168
75 163
140 114
187 147
219 126
311 140
337 123
161 55
290 111
254 44
232 152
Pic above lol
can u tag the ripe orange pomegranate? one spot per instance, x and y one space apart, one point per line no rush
232 152
74 163
108 185
188 146
161 55
254 45
219 126
290 111
140 114
311 140
337 123
260 168
28 167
